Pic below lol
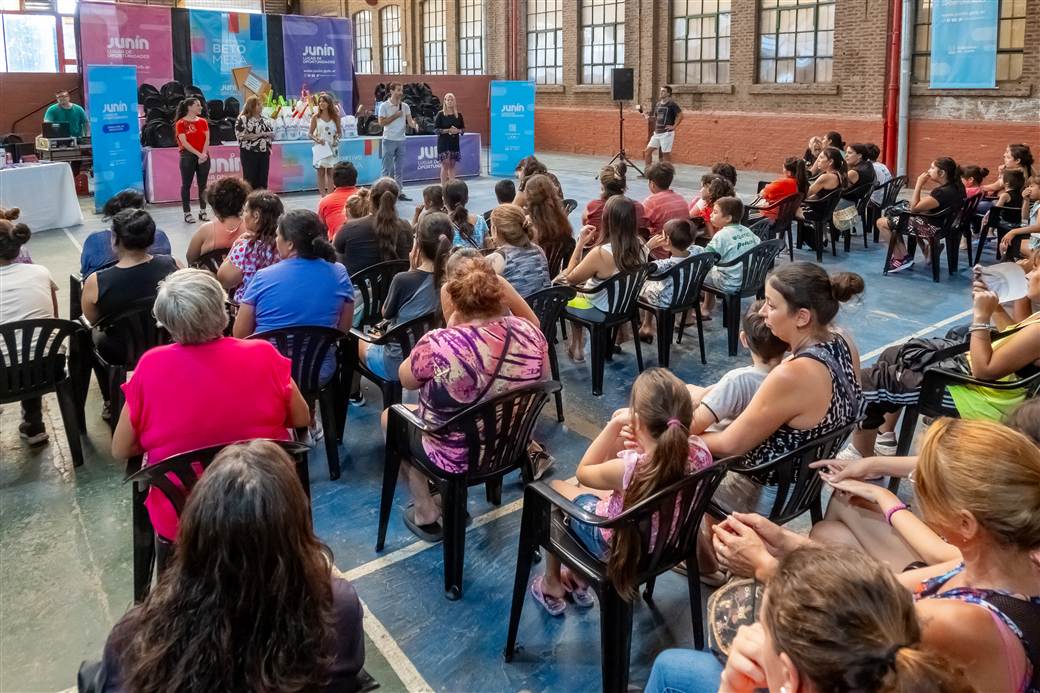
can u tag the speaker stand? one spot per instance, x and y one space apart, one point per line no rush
621 155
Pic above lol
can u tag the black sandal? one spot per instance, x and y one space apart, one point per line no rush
188 218
203 216
432 532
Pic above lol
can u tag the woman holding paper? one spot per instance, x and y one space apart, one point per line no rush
255 134
325 132
449 126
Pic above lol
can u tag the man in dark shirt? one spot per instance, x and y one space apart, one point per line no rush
666 117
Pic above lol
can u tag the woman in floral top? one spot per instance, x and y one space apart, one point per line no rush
492 345
255 249
255 134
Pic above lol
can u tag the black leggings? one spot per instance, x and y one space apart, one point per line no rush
190 167
255 167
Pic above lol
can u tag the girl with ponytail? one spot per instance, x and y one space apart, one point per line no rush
613 478
307 288
470 230
517 258
378 236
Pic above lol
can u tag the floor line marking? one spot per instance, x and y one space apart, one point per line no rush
411 678
920 333
72 238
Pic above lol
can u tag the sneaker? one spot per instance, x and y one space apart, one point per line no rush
885 444
26 433
404 198
903 263
849 453
316 432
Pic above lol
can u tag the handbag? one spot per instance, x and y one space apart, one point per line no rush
845 216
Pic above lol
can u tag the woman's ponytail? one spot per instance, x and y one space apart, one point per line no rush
387 224
456 195
913 669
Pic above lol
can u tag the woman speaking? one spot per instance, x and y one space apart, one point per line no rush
255 134
449 126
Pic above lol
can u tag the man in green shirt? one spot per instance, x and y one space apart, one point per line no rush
67 112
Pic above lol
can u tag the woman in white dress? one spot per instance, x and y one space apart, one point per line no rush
325 129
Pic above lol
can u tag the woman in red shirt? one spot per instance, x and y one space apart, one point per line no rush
795 180
193 140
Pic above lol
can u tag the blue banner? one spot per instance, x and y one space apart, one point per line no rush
512 126
964 44
222 41
114 130
319 57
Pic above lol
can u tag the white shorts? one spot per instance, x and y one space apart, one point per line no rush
662 141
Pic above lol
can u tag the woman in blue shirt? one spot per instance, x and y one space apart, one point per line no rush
98 251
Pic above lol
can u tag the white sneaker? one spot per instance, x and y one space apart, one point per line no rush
886 444
849 453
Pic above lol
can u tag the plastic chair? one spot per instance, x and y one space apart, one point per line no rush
212 260
755 263
668 523
548 305
890 193
858 195
961 228
32 364
798 487
307 346
941 221
497 432
687 278
817 216
786 208
182 469
405 336
622 296
371 286
1002 220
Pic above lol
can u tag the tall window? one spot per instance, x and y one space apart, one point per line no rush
1011 40
471 37
796 41
435 42
700 41
390 23
602 39
363 42
545 41
37 36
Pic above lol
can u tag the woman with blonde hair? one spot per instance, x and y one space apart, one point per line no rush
516 257
325 130
449 126
255 135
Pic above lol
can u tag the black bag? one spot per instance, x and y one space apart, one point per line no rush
146 91
231 107
172 89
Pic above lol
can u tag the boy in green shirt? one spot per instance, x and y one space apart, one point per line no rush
732 240
67 112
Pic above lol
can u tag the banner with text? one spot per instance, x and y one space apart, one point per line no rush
317 53
421 162
120 34
512 125
221 42
114 129
964 44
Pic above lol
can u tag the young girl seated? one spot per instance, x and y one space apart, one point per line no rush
972 177
1030 227
613 478
713 187
432 201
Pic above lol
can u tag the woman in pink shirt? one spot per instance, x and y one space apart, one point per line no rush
204 389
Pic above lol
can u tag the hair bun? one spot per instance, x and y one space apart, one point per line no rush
21 233
845 285
984 172
10 214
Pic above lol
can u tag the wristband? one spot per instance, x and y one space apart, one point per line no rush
979 327
893 510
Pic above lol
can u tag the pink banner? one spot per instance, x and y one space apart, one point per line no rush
122 34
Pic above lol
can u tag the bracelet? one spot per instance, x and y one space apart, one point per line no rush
893 510
979 327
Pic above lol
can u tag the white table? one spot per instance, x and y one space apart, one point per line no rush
45 192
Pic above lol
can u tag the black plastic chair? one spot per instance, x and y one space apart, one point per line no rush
371 286
405 337
963 221
557 255
622 296
32 364
858 195
785 208
817 216
212 260
1001 220
687 278
307 346
889 194
497 431
941 222
755 263
176 490
668 523
548 305
798 487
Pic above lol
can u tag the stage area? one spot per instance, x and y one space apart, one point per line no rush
65 534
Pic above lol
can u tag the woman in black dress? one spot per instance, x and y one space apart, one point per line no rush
449 126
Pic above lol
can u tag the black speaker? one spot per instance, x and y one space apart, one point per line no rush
621 79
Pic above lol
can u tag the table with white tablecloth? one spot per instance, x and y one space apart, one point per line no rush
45 192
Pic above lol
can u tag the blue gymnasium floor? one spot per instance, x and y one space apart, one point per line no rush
65 572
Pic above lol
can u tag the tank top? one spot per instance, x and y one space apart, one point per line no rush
845 407
1021 616
120 287
985 402
525 268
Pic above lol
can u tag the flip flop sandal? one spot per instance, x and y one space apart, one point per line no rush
432 532
553 605
581 596
411 506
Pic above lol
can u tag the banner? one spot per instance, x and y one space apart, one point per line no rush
221 42
512 126
114 130
317 53
964 44
421 162
120 34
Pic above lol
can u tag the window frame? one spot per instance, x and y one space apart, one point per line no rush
923 57
700 63
385 47
363 41
540 38
591 70
471 15
434 37
794 44
64 63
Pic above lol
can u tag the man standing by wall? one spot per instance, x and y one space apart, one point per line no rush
394 114
667 115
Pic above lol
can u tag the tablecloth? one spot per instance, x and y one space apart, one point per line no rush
45 192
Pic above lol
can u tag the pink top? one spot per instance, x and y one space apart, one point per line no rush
700 458
183 398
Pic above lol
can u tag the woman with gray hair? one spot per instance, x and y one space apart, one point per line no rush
205 389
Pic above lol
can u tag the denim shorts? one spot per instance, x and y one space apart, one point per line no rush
590 537
374 359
